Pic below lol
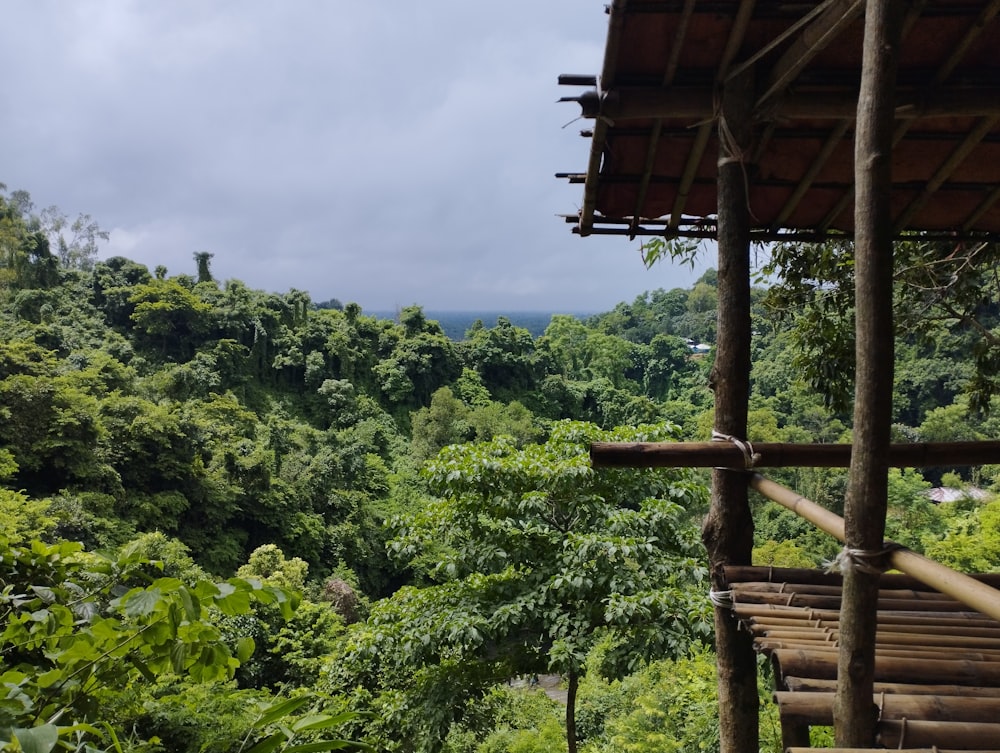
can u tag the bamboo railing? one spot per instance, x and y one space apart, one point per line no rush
937 644
963 588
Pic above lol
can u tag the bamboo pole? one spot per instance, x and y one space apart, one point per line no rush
889 638
817 708
783 454
959 586
813 685
738 574
822 665
911 653
935 749
893 733
821 601
959 619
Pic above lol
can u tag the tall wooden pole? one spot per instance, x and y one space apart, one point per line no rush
865 507
728 529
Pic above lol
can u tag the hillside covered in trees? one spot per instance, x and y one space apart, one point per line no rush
243 520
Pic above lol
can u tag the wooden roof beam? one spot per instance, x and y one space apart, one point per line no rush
706 230
831 143
945 171
986 205
654 134
704 134
974 30
697 104
616 12
835 18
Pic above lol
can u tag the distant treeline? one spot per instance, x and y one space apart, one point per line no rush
457 323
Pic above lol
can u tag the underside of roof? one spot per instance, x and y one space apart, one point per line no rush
655 140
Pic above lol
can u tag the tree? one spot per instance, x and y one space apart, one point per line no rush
168 312
445 421
203 259
504 357
80 250
418 360
537 554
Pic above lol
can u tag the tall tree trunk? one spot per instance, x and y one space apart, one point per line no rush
867 491
574 682
728 529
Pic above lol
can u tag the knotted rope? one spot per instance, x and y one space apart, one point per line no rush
750 458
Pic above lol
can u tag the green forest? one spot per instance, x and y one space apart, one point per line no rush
237 520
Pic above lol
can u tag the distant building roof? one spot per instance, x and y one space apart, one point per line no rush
951 494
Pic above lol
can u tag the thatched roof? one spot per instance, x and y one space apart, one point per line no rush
654 143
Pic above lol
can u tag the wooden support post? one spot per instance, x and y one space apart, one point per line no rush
728 529
865 506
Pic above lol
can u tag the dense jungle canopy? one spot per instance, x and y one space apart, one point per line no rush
243 520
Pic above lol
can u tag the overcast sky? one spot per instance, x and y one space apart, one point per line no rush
387 152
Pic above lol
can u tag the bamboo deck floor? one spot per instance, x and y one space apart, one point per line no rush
937 664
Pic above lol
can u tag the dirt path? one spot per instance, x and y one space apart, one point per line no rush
549 683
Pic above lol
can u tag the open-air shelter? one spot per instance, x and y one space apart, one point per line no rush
775 120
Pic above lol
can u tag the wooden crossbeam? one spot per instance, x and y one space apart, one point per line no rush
782 454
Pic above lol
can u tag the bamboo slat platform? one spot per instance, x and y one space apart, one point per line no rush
937 665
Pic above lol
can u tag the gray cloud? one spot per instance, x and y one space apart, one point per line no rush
386 152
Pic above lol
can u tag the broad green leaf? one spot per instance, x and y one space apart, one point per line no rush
279 710
244 648
315 721
235 603
179 656
167 585
327 745
50 678
143 669
38 739
143 602
268 744
192 607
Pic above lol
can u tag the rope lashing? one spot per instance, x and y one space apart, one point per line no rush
750 457
721 599
872 562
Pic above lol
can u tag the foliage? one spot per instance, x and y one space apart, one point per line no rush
268 563
75 633
536 556
682 250
971 541
937 285
204 426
